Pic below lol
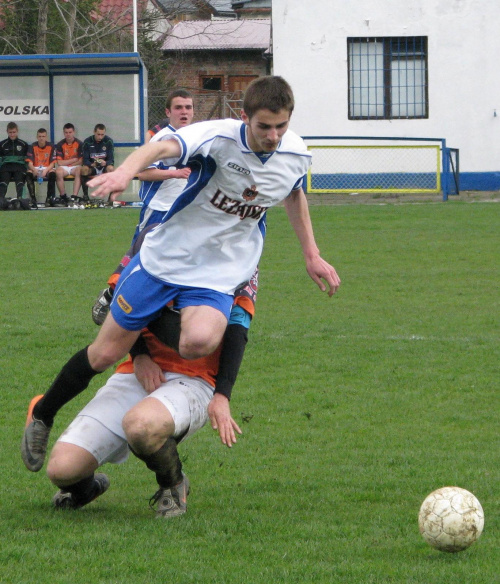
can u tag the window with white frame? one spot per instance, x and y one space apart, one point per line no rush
387 78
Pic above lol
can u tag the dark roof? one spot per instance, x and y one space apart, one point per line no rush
219 34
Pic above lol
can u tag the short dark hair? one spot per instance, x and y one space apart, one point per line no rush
68 126
41 131
99 127
270 92
12 126
177 93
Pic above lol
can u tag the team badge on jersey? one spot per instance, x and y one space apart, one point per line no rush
249 194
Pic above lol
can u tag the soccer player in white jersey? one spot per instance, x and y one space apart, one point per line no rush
207 244
161 185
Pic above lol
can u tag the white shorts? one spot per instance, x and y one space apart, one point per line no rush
68 170
98 427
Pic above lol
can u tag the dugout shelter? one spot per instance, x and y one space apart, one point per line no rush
84 89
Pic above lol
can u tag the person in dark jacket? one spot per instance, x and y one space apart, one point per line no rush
13 154
98 157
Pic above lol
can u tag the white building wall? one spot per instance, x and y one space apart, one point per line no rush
310 51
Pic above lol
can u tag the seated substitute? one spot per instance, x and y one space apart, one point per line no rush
98 157
69 160
41 165
155 400
13 153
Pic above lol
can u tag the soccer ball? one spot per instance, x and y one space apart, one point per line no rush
451 519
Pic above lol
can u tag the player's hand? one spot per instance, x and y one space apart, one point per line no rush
319 270
148 373
110 183
219 413
181 172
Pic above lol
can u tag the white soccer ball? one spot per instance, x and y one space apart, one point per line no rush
451 519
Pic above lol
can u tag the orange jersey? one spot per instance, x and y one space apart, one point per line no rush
40 156
65 151
169 360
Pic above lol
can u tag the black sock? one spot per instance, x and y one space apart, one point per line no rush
165 463
83 491
85 188
167 327
71 381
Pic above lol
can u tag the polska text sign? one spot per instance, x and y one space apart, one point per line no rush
18 110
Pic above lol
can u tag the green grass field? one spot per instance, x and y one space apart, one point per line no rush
353 408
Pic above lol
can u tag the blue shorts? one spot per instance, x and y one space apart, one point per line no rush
139 297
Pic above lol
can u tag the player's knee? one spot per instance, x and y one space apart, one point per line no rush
61 470
195 348
104 357
137 429
144 431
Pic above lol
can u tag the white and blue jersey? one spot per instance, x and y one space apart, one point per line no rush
157 196
212 236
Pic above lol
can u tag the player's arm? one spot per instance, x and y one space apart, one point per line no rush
148 373
157 174
87 161
49 167
29 160
110 154
116 182
231 356
318 269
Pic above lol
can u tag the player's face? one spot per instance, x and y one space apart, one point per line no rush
99 135
12 133
265 129
181 112
41 138
69 134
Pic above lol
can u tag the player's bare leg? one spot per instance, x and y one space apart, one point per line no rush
112 344
72 468
149 427
202 329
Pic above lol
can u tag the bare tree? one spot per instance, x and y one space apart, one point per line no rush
41 40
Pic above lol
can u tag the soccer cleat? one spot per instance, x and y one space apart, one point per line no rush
101 306
64 499
58 202
65 200
35 439
171 502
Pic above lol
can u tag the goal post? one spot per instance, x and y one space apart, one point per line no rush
365 165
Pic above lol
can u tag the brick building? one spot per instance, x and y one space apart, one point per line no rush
218 59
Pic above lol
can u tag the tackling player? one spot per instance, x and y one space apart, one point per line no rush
183 395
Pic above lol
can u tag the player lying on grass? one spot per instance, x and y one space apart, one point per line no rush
211 239
154 401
